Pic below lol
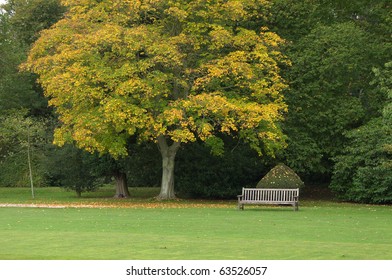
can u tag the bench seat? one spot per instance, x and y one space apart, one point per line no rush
268 196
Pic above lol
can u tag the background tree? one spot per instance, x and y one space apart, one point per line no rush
363 172
21 22
30 17
170 72
22 141
325 99
23 109
333 47
16 89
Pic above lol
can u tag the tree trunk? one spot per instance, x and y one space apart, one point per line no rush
121 185
168 159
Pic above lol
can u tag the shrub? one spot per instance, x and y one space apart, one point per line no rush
72 169
281 177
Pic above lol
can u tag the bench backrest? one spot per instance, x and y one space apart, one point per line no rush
283 195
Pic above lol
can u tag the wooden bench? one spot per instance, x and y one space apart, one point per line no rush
268 196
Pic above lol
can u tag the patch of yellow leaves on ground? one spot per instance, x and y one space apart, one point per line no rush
125 204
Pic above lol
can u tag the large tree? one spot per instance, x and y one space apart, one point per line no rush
164 71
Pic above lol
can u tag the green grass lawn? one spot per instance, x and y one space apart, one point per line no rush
60 195
320 230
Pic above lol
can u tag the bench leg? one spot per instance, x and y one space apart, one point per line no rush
295 206
240 206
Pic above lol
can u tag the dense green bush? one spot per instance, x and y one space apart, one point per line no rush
73 169
199 174
364 172
144 166
15 171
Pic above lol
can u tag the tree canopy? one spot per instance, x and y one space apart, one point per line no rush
166 71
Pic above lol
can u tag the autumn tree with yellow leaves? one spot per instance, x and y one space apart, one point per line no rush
167 71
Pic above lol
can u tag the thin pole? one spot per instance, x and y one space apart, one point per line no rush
29 161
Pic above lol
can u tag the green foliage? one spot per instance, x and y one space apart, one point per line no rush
143 166
293 19
330 94
383 81
18 133
363 173
16 89
114 71
72 169
20 23
334 46
201 174
162 71
30 17
216 144
23 108
281 177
